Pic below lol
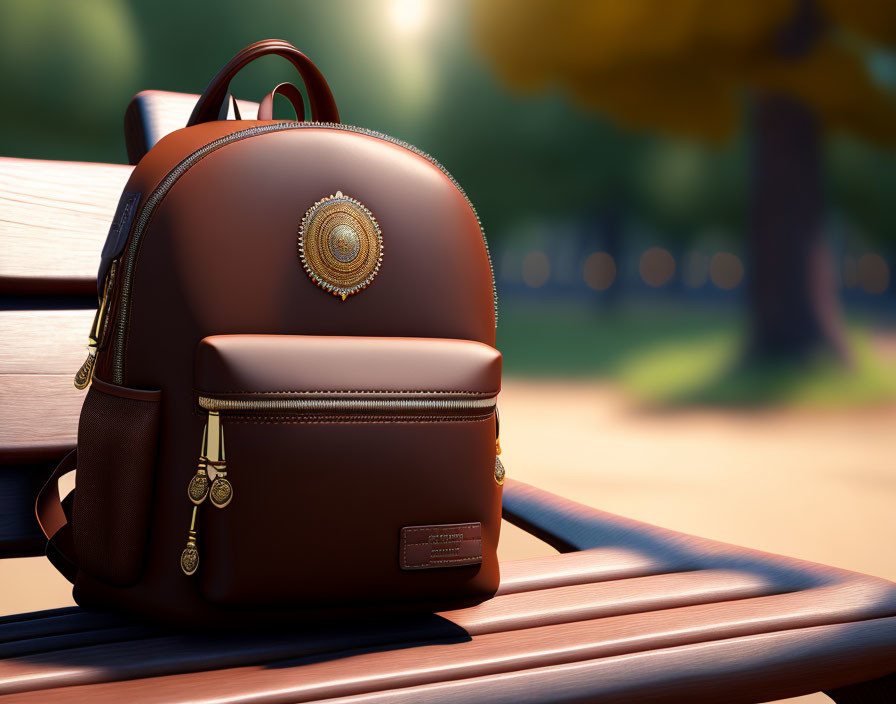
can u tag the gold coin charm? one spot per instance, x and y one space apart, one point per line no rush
197 489
221 492
340 245
189 559
499 471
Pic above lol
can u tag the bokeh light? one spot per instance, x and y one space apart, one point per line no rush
726 270
536 269
873 273
600 271
657 267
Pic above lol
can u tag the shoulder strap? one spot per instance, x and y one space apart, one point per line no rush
54 516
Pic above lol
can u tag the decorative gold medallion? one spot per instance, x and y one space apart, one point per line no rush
340 245
198 486
189 559
221 492
499 471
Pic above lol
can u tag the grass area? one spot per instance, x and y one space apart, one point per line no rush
669 355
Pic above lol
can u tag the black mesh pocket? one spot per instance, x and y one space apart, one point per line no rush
117 439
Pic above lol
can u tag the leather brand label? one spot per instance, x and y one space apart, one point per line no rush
446 545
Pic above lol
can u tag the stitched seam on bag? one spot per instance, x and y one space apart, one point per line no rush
431 560
136 398
335 419
348 391
405 563
443 526
462 540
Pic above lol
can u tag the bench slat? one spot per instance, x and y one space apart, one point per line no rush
511 612
152 114
54 217
39 405
747 669
38 416
292 664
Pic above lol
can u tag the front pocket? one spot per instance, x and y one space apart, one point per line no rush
117 443
323 480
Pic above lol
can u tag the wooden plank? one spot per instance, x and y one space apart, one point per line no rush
513 612
43 341
291 663
152 114
737 671
38 416
54 217
595 565
39 405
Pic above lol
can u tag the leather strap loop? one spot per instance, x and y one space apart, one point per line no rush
288 91
323 107
53 518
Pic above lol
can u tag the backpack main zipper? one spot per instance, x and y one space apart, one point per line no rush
141 221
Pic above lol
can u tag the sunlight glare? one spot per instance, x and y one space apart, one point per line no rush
409 16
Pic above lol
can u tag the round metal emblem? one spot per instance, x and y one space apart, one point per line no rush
189 560
340 245
499 472
221 492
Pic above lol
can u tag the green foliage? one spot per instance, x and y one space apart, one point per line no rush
671 357
71 66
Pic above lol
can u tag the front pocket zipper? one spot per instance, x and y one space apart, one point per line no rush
210 480
346 404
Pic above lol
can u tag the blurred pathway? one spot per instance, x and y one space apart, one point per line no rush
819 485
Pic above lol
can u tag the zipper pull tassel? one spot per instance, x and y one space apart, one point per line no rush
221 491
197 489
500 472
189 558
84 375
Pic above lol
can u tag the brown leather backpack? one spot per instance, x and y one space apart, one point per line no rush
292 379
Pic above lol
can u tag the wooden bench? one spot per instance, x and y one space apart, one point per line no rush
628 613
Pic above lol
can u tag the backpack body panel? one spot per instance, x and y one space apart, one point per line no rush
218 256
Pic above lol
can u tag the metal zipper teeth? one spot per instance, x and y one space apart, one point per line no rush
165 185
345 404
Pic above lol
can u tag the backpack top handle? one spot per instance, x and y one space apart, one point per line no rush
323 107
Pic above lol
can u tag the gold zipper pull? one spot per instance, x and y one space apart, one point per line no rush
189 558
84 375
197 489
221 491
500 473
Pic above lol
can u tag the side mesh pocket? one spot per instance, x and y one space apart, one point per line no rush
117 442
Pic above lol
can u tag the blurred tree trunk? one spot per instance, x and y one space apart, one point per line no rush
792 287
794 306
